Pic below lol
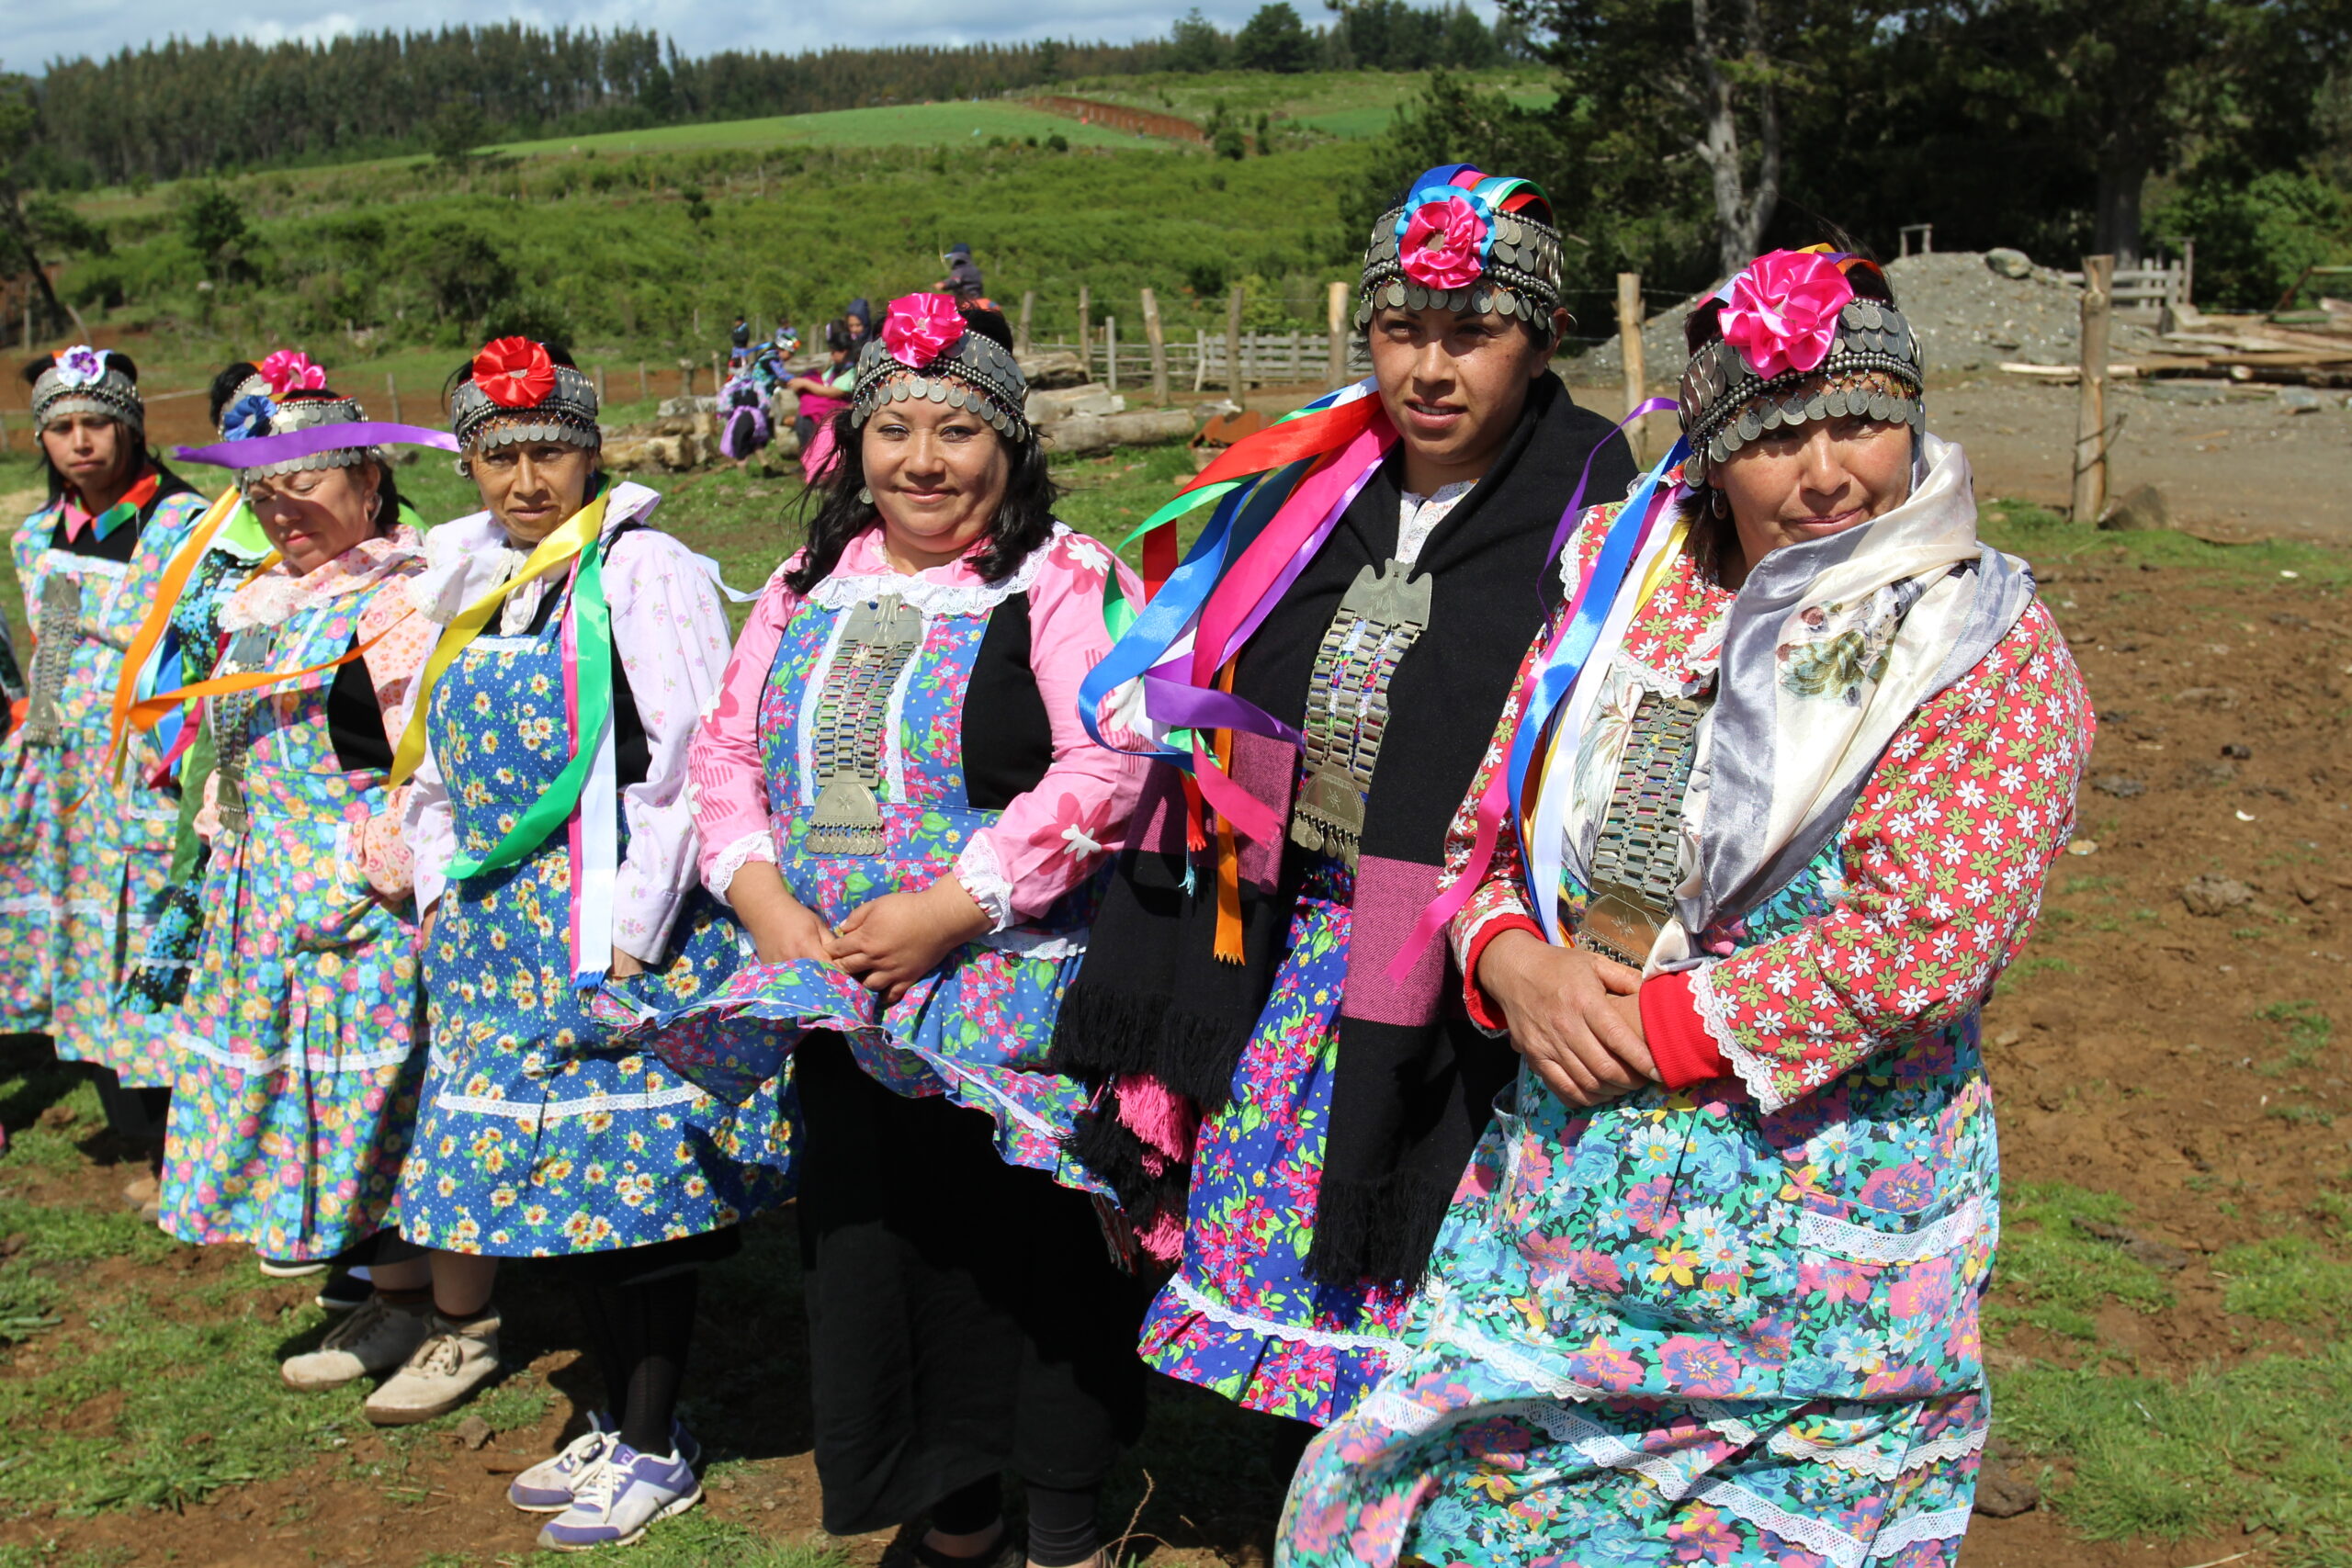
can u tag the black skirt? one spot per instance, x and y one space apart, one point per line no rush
965 1316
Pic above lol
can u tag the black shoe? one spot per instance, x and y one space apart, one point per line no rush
343 1293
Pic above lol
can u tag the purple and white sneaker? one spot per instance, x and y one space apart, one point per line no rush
621 1498
548 1486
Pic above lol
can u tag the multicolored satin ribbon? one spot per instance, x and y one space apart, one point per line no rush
154 663
588 687
105 523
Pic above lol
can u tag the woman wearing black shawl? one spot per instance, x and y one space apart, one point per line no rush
1260 981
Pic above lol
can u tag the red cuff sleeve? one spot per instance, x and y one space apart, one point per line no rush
1685 1052
1484 1014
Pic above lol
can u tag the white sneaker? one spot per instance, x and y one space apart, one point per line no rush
629 1492
375 1338
454 1360
548 1486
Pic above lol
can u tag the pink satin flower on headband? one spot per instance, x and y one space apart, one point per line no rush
1783 314
919 328
291 370
1442 244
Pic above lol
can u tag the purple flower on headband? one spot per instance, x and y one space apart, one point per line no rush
247 416
81 365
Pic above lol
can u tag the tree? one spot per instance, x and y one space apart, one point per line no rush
214 227
455 131
27 227
1274 40
468 276
1049 61
1193 44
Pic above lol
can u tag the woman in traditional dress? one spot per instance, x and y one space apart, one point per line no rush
822 396
1764 819
300 1052
555 846
1383 601
897 797
86 832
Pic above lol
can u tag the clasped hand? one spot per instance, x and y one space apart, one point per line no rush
1572 1014
886 945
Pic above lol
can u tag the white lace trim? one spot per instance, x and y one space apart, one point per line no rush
1393 1351
1044 946
1605 1448
1514 1363
557 1109
1011 1107
732 859
1752 1069
1862 1245
35 904
1944 1525
1403 1414
312 1061
1867 1458
982 874
929 594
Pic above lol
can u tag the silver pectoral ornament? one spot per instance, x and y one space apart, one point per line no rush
1383 613
852 712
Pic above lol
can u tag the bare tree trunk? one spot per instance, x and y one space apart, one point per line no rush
2116 228
1740 214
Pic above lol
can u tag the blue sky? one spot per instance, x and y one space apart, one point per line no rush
33 32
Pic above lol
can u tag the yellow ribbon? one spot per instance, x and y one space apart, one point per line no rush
558 549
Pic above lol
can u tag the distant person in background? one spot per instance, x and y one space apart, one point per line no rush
963 279
859 318
739 340
87 838
787 340
822 396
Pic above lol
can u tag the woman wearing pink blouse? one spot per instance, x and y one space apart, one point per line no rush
894 791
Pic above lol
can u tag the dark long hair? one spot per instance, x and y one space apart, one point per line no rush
141 458
1023 521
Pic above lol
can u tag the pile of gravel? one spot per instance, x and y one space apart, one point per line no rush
1969 317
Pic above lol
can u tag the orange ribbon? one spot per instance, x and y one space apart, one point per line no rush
147 714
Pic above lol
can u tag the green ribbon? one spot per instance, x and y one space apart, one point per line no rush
592 628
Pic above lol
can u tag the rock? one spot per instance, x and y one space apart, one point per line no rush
1051 407
673 408
2215 895
1060 369
2299 400
1140 427
2004 1491
2142 511
2008 263
2241 753
2121 785
474 1432
2161 1255
2223 697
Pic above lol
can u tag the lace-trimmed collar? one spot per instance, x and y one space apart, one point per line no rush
468 556
951 589
276 596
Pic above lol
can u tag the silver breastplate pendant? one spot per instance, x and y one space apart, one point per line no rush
251 651
1636 859
58 628
852 712
1347 704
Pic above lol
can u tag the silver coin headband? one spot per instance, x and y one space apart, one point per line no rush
567 414
1872 370
86 380
311 413
1521 276
975 372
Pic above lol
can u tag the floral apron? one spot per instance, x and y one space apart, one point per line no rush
975 1029
300 1059
539 1135
82 854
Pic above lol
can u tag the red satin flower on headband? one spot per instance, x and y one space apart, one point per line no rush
1783 314
1442 247
515 373
919 328
291 370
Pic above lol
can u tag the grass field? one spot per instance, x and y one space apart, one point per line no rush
909 125
1350 103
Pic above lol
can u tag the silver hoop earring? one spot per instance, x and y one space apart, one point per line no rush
865 496
1717 504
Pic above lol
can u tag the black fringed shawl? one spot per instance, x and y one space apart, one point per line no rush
1415 1080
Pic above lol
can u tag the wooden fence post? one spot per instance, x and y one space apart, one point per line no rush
1200 359
1111 352
1233 343
392 396
3 433
2090 414
1085 332
717 374
644 387
603 396
1339 312
1629 334
1021 334
1158 342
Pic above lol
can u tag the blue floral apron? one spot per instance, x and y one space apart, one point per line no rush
540 1135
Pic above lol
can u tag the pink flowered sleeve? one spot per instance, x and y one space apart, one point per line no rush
380 847
1945 855
726 774
1053 836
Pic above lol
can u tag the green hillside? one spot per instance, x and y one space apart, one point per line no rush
909 125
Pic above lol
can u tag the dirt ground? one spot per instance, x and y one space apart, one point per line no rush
2126 1053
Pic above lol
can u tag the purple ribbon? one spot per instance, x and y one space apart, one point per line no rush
260 451
1179 704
